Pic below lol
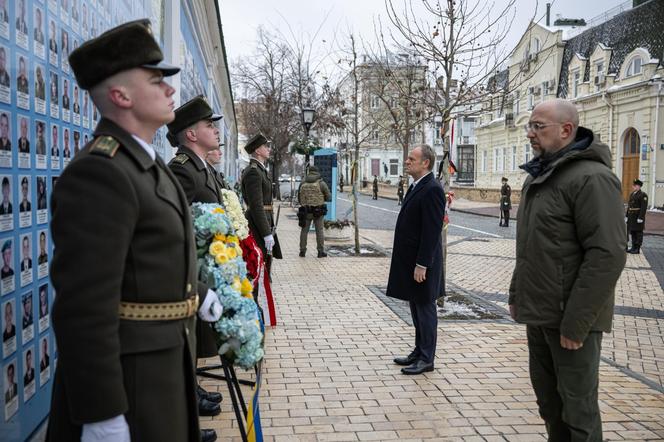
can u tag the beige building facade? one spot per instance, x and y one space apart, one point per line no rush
614 78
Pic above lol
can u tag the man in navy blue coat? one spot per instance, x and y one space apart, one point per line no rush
417 259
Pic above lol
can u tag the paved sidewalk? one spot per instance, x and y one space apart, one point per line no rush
328 372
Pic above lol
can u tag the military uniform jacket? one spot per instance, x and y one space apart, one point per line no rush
195 177
122 231
506 197
199 186
257 193
636 209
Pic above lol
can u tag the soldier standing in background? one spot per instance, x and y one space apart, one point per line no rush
505 203
257 194
213 158
125 307
194 131
636 216
375 188
400 185
312 195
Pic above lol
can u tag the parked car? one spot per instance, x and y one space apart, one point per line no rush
284 177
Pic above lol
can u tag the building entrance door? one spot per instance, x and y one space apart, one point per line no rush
630 162
375 167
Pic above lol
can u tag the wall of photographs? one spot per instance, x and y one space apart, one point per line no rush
45 119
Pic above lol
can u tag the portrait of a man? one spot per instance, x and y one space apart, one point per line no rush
23 141
9 331
6 204
12 389
5 138
22 79
27 310
26 254
4 76
7 269
25 205
40 143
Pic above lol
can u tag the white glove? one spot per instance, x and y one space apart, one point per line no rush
269 242
625 219
211 309
639 221
110 430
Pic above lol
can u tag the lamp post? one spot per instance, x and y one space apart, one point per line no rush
308 116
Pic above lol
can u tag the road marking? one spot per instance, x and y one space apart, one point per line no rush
452 225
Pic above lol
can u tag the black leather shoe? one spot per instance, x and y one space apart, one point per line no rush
207 408
208 435
322 255
302 254
634 250
408 360
211 396
418 367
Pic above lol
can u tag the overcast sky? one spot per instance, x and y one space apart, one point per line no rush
241 18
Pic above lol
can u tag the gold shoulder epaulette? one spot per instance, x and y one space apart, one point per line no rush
105 145
180 158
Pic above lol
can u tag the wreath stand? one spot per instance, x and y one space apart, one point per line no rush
234 390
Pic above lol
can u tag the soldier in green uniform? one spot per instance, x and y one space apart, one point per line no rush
505 203
195 133
213 158
312 195
636 216
257 193
124 263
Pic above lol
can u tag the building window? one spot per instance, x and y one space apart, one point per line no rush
394 167
393 102
484 160
531 98
527 152
513 158
634 67
438 128
498 159
576 81
599 82
535 47
375 102
516 103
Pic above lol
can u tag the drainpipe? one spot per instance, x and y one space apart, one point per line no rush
610 106
655 148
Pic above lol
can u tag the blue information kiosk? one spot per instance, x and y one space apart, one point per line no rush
326 162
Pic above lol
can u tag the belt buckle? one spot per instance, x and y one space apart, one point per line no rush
190 307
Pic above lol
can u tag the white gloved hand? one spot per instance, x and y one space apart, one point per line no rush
269 242
211 309
625 219
639 221
110 430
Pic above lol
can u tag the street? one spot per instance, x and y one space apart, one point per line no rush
381 214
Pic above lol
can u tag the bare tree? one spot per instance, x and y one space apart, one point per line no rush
266 103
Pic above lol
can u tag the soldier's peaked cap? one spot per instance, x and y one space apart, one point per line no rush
638 182
193 111
124 47
254 143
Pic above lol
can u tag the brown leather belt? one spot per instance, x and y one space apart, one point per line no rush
267 208
165 311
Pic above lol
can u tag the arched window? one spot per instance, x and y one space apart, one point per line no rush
634 66
632 141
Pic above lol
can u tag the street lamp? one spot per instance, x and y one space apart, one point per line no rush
308 116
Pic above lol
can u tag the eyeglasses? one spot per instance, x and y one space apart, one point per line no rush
536 127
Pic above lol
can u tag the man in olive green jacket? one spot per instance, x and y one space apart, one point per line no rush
570 251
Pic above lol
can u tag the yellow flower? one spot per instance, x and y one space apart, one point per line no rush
246 286
230 251
248 295
218 210
220 237
217 247
237 285
233 239
221 258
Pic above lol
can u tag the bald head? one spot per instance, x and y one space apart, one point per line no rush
560 111
552 126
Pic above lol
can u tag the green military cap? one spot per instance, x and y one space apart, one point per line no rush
191 112
638 182
6 245
254 143
124 47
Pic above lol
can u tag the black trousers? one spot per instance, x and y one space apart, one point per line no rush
637 238
506 217
565 384
425 320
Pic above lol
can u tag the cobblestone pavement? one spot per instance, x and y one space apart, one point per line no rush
328 371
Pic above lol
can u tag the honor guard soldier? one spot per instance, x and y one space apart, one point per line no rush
505 203
124 263
213 158
195 133
257 193
636 216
